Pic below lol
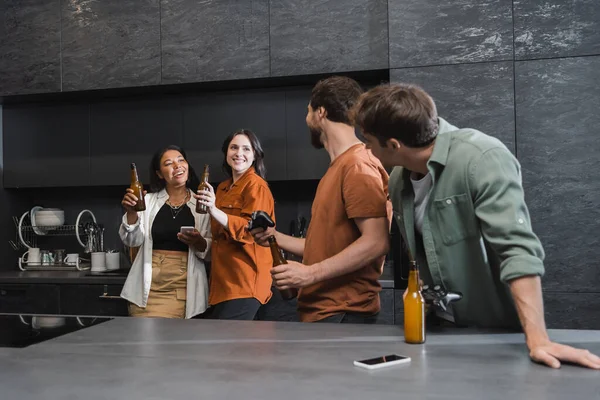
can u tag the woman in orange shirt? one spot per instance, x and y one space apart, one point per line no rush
241 270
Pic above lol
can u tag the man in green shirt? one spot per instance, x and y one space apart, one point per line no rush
458 201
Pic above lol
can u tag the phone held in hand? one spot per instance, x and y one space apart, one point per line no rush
186 229
382 362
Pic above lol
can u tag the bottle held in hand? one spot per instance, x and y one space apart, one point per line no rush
279 259
261 219
138 189
201 208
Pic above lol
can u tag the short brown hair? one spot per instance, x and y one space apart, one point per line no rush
337 95
397 111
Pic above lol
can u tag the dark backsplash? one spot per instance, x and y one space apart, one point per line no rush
292 199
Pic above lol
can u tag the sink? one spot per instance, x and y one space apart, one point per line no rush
15 331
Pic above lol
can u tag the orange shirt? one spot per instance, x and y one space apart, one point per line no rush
354 186
240 268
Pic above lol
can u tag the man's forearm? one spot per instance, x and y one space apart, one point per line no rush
360 253
290 244
527 294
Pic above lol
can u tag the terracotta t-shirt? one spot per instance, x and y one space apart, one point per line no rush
354 186
240 268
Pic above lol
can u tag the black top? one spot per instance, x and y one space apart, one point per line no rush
165 228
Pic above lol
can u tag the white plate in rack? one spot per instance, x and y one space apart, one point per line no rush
36 229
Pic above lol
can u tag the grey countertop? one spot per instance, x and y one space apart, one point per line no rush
84 277
67 277
130 358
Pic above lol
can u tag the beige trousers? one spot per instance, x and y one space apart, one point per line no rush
168 290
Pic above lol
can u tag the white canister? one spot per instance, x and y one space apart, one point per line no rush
98 261
113 261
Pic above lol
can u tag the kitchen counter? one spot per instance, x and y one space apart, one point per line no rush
84 277
76 277
177 359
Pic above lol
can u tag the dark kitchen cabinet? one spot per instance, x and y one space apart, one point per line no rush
126 131
93 144
310 37
557 106
398 307
110 44
571 310
387 311
46 146
303 160
63 299
433 32
92 300
491 111
29 299
214 40
209 119
29 47
555 28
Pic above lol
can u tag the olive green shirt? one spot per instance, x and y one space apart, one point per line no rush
477 232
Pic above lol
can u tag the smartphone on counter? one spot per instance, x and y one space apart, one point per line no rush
382 362
186 229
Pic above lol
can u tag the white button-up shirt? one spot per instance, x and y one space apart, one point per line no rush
137 285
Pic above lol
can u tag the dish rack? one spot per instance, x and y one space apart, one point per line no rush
27 235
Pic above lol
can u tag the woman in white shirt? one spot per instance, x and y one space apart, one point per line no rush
168 276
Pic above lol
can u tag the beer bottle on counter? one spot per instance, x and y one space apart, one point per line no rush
201 208
414 308
138 189
279 259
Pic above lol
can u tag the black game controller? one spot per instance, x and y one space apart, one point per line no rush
439 297
260 219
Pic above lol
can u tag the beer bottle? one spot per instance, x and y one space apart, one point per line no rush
138 189
279 259
414 308
201 208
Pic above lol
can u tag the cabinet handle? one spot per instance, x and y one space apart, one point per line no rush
13 292
105 295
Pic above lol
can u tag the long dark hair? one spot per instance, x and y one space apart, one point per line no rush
157 184
259 154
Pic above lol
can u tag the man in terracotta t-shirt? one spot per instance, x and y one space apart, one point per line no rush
347 239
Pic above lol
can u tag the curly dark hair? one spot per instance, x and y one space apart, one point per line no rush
157 184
